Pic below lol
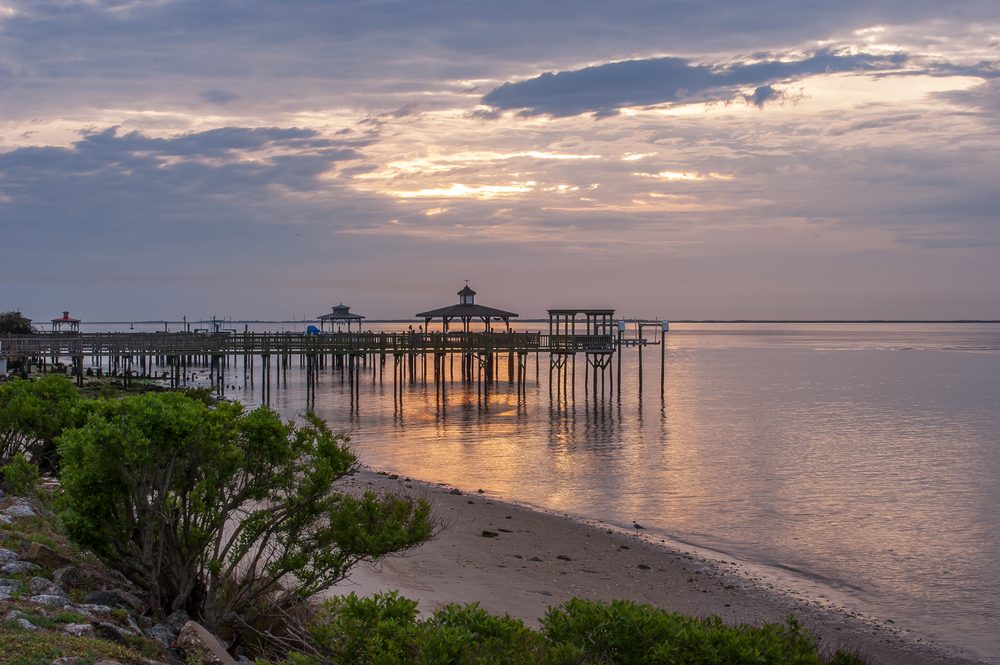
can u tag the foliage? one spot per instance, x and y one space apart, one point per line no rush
20 476
32 414
384 630
15 323
227 514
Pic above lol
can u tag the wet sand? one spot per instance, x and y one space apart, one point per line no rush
516 560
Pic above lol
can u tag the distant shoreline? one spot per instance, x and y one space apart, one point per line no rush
798 321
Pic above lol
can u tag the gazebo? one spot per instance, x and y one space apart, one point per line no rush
466 311
66 323
340 315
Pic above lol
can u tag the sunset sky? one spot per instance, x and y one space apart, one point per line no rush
671 159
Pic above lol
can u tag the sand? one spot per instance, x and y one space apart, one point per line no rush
516 560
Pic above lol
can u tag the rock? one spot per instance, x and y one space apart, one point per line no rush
7 592
194 641
43 555
176 621
69 660
89 609
6 581
80 630
116 598
51 600
107 662
162 634
642 566
636 525
67 576
19 568
113 632
563 557
7 556
25 624
42 587
489 534
5 519
22 509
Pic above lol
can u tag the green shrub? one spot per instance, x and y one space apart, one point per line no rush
627 632
32 414
20 476
230 515
384 630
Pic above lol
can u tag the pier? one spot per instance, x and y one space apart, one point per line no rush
263 358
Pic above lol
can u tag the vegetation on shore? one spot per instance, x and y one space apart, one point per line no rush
233 517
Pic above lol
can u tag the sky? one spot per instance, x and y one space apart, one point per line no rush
676 159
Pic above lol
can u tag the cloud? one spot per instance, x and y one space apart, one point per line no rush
983 97
603 89
763 94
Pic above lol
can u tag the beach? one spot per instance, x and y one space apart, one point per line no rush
517 560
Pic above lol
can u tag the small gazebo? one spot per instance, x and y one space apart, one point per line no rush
340 315
66 323
466 311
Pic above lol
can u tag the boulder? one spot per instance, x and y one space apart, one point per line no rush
7 592
21 509
69 660
43 555
19 568
42 587
194 641
7 556
162 634
80 630
51 600
67 576
6 581
177 620
116 598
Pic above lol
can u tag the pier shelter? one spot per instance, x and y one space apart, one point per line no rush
66 323
340 315
466 311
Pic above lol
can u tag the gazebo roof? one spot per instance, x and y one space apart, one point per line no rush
65 318
466 312
341 312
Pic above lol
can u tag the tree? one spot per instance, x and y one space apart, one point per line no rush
230 515
32 414
15 323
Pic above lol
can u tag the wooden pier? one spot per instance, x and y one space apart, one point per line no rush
263 357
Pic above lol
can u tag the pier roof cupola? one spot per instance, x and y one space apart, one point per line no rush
466 311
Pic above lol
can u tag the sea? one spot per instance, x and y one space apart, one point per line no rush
857 464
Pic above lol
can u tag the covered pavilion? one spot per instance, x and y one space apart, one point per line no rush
340 315
66 323
466 311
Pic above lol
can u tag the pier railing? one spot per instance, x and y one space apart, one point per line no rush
256 343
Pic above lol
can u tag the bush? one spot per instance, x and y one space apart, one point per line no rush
32 414
227 514
20 476
384 630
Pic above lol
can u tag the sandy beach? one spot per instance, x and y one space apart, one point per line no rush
516 560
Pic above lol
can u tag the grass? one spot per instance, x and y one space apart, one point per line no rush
26 647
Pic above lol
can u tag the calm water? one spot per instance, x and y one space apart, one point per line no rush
861 459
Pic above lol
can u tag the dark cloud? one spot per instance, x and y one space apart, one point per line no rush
762 95
604 89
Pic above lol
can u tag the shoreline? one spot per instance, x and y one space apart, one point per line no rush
518 559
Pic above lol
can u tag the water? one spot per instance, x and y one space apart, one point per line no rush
862 460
